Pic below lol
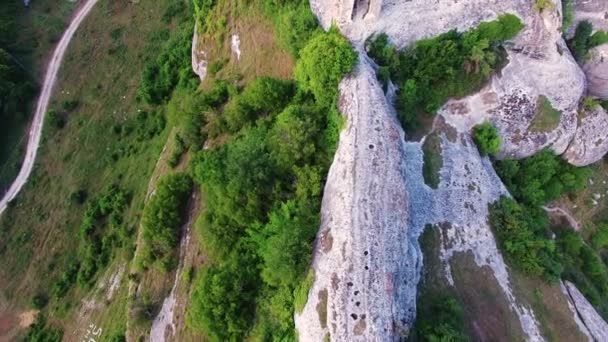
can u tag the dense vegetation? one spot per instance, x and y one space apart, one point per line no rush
452 64
262 191
487 139
524 233
541 178
40 331
161 220
584 40
170 69
101 230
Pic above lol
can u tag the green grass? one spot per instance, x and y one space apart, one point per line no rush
546 118
38 27
301 293
38 234
432 160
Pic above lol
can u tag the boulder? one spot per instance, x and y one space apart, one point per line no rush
590 143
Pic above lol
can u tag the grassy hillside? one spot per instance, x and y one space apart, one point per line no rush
96 137
28 35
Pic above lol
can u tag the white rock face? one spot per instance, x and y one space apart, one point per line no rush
595 324
199 58
594 11
366 262
590 142
596 69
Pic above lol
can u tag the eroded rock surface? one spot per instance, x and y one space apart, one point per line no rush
590 142
595 324
596 69
199 58
366 262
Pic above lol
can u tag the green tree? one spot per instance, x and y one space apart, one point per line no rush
487 139
325 59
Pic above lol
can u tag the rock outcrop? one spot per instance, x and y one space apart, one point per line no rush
596 69
199 58
367 258
592 321
590 142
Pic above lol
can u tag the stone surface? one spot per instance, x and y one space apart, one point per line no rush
366 261
199 58
590 142
596 69
595 324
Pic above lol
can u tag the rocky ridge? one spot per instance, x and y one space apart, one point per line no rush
367 259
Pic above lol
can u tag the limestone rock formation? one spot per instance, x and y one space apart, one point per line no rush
365 261
590 142
199 58
596 69
595 324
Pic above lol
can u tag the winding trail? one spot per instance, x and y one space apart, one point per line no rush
41 107
571 220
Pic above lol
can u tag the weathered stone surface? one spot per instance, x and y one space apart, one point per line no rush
590 142
367 260
199 58
365 280
595 324
594 11
596 69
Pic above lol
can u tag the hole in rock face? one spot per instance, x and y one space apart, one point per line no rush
366 268
356 293
349 283
354 316
365 253
371 146
358 303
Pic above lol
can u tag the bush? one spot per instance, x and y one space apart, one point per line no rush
222 304
584 40
55 120
568 14
522 240
325 59
172 68
544 5
162 217
41 332
39 301
487 139
541 178
451 64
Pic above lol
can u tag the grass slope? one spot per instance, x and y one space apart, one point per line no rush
101 73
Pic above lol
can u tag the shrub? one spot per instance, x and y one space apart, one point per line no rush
161 218
525 247
599 239
544 5
487 139
39 301
568 14
55 120
584 40
325 59
541 178
41 332
432 70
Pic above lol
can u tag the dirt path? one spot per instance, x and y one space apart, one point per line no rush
571 220
41 107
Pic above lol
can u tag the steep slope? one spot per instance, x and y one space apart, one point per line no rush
360 294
